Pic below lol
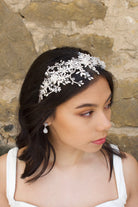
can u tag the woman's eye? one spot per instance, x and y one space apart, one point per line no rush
87 114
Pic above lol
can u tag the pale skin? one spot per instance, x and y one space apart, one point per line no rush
80 177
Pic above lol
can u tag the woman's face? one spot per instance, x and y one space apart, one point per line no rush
83 119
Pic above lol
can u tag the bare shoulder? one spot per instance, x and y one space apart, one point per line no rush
3 160
130 167
130 160
3 199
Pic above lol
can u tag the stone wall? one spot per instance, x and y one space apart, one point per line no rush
106 28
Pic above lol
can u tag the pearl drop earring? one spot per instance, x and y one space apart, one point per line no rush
45 130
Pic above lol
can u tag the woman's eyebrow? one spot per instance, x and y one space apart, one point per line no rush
91 104
86 105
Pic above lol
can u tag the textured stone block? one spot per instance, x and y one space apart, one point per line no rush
132 3
126 88
125 112
8 111
16 46
124 109
4 149
98 45
17 5
50 12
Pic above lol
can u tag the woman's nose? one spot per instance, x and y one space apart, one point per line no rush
103 123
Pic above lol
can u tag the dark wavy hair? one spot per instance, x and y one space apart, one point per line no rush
36 145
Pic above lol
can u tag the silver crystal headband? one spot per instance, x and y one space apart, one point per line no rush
61 73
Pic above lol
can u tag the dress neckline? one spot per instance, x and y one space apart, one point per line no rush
107 203
11 190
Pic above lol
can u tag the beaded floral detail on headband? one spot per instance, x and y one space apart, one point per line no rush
61 73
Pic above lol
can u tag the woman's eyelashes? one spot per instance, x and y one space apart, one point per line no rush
108 106
90 113
87 114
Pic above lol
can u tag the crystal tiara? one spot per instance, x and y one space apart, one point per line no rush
61 73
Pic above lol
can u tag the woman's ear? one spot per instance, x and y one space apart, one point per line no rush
49 120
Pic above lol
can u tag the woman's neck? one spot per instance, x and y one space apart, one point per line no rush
68 157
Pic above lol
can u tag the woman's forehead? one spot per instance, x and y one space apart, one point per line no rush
95 93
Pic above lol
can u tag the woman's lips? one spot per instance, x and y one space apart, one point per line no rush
99 141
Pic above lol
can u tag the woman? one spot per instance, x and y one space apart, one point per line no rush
62 158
